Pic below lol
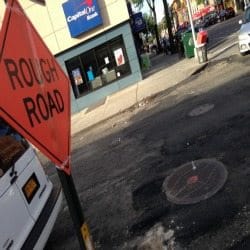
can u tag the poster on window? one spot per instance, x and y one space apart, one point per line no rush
119 57
77 76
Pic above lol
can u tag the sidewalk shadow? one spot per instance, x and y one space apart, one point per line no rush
160 62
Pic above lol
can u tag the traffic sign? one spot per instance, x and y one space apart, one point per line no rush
34 90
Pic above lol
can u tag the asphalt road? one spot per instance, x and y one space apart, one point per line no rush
223 32
120 165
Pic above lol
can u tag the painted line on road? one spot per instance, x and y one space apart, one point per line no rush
226 48
217 53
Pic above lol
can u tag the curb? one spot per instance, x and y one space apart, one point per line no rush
223 50
110 108
201 68
138 92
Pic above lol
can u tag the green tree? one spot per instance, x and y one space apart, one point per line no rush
199 2
150 23
151 4
169 25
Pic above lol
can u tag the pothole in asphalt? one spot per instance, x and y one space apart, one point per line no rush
195 181
149 195
202 109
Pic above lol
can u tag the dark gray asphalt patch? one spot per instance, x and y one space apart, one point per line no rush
149 168
244 244
191 221
147 220
150 196
151 201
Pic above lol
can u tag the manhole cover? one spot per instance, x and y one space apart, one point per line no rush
202 109
195 181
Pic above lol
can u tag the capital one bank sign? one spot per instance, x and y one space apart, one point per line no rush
81 16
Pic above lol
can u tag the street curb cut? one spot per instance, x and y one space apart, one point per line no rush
201 68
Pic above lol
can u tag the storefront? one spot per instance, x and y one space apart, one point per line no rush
101 66
93 42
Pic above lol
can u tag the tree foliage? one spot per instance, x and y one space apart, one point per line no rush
151 4
150 23
200 2
138 3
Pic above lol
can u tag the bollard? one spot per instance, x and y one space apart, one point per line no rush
202 52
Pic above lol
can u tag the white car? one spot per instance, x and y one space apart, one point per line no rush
244 33
29 203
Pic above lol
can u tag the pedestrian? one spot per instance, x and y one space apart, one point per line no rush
166 46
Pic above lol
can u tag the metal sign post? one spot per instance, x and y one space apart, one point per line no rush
35 101
75 210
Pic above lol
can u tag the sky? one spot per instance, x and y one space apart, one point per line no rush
159 9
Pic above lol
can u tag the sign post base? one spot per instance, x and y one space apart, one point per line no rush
75 210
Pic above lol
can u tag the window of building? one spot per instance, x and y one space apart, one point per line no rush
98 67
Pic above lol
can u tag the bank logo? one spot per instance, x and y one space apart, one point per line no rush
88 3
81 15
85 8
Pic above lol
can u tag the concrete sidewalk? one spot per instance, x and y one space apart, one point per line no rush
165 72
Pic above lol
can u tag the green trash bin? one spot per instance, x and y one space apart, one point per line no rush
188 44
145 62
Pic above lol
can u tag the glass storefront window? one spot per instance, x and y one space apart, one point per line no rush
98 67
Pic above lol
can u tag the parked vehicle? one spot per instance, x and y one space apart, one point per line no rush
29 203
230 12
199 24
243 36
210 19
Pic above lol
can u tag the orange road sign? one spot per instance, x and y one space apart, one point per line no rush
34 90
